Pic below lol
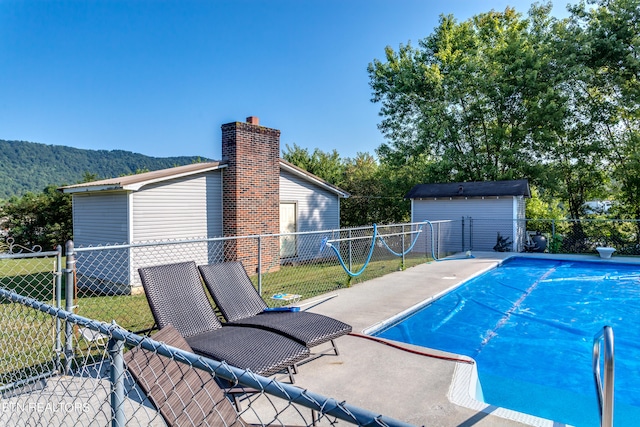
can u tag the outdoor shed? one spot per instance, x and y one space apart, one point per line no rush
478 211
250 192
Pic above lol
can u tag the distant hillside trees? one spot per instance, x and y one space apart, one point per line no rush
44 218
30 167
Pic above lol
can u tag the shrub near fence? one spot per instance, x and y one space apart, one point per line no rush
583 236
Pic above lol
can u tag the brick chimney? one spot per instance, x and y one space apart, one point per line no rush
251 191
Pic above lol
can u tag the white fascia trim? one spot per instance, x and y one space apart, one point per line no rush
139 185
90 189
318 182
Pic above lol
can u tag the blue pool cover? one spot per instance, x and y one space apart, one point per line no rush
529 324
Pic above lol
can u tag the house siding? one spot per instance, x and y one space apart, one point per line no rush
100 220
195 203
484 218
178 209
317 209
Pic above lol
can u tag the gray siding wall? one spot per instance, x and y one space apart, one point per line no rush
180 208
490 216
317 209
98 220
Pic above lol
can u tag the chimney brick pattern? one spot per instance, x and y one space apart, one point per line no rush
251 191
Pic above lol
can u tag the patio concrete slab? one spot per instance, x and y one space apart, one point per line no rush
410 384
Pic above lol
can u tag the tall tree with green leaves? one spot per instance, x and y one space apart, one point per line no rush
43 219
608 32
328 166
482 98
372 199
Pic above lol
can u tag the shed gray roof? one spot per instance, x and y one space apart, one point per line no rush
519 187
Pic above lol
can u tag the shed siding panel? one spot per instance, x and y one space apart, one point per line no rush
100 219
179 209
490 216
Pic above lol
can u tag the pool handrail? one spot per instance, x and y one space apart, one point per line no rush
605 393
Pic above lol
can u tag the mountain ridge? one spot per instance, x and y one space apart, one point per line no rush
32 166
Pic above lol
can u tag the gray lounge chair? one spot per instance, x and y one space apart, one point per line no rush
176 296
181 393
241 305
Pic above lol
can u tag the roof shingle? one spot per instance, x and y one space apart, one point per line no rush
519 187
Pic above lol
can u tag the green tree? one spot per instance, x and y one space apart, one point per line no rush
609 34
42 219
361 180
482 98
328 166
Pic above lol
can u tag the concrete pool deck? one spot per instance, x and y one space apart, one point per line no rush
411 387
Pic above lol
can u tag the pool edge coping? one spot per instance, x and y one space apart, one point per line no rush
465 389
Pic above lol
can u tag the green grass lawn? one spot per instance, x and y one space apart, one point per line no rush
27 336
34 278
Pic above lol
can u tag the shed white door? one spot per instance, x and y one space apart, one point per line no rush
288 224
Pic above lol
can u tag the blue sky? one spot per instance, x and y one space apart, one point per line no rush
159 77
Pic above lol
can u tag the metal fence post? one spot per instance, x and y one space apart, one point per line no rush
58 274
403 246
350 265
470 233
260 265
115 349
69 288
439 240
462 234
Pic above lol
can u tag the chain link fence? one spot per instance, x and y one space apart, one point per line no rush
107 284
61 365
567 236
107 375
584 236
37 275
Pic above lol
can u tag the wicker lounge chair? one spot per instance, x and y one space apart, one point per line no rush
242 305
176 296
181 393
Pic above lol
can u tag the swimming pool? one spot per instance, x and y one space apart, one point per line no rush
529 325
